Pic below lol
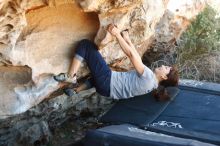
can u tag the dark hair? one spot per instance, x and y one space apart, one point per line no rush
161 93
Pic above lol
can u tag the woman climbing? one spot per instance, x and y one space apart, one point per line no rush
118 85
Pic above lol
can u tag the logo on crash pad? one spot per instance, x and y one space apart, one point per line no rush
167 124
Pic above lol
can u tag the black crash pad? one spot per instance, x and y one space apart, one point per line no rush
130 135
140 110
193 113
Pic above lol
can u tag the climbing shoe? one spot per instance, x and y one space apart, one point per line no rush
63 77
69 92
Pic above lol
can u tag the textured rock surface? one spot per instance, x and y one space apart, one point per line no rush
18 93
162 20
42 34
46 43
11 77
138 17
176 18
35 126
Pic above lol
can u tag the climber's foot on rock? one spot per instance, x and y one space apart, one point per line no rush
69 91
64 77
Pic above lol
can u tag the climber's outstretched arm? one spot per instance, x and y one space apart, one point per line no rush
128 49
126 37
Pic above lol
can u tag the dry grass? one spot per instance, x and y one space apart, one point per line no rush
197 52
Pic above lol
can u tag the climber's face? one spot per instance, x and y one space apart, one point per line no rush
163 71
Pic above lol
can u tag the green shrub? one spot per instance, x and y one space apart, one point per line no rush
198 48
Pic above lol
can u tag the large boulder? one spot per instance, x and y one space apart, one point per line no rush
38 39
46 43
160 20
42 34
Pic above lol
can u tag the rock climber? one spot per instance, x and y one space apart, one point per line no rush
118 85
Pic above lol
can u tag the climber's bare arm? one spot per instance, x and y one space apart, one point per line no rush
132 54
126 37
129 50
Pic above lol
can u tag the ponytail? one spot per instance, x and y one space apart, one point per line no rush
161 94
